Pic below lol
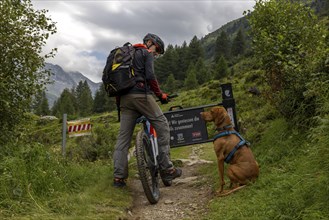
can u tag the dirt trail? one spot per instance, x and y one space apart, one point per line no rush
185 199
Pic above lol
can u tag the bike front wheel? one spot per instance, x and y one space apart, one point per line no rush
148 171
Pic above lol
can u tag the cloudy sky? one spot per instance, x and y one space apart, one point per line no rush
88 30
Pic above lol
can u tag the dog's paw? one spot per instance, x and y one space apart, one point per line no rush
222 193
218 192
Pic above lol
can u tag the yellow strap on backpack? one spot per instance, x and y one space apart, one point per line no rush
114 66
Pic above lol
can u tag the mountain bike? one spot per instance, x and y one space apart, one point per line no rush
147 160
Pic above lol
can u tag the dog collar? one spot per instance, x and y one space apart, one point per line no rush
224 127
225 133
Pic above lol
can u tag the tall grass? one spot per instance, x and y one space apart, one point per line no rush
38 183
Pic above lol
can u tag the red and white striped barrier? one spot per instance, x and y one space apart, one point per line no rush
79 127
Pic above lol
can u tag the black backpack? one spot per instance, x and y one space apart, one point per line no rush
118 74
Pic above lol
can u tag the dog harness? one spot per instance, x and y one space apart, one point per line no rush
242 142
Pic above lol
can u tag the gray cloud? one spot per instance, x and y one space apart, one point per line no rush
88 30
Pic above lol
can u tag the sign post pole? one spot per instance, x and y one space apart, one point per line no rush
64 134
229 103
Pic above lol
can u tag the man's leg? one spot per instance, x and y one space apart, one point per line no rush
120 156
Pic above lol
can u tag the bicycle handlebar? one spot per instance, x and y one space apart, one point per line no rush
173 96
169 97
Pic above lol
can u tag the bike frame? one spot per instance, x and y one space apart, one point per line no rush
152 135
147 161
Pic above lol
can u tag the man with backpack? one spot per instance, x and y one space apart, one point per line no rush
138 101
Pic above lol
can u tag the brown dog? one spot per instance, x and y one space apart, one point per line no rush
243 167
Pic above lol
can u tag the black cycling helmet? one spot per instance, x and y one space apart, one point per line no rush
156 41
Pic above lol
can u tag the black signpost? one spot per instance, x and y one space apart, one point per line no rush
229 103
186 125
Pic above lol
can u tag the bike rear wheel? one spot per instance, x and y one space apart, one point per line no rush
148 172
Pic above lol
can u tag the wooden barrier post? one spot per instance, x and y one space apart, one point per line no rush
64 134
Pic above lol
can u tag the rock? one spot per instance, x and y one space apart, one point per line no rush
48 117
254 91
168 202
189 180
194 206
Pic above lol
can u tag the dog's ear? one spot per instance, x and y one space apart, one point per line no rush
227 118
219 115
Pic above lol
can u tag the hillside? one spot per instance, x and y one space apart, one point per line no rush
321 8
293 170
231 29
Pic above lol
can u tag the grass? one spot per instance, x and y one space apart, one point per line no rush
37 183
289 186
91 196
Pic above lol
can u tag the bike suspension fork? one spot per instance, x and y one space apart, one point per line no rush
154 143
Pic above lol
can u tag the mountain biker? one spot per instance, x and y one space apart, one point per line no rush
140 101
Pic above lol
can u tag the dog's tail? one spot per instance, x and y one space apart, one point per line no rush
230 191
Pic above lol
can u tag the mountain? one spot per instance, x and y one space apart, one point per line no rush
61 80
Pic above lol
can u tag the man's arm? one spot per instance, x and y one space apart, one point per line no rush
150 76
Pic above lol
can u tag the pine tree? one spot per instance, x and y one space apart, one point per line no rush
203 74
195 50
221 68
44 107
239 44
170 85
191 81
223 47
84 99
182 62
41 106
102 102
166 64
65 105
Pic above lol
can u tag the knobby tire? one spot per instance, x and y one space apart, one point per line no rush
148 173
